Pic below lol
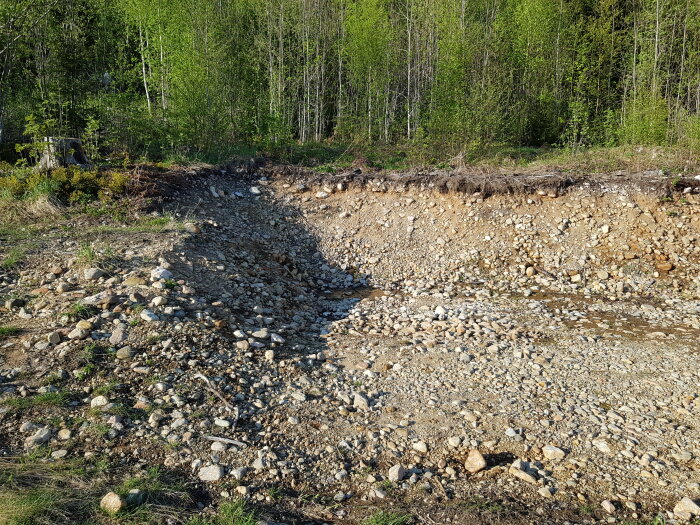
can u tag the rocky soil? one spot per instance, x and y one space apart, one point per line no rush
323 349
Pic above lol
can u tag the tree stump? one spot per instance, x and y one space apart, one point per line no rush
63 152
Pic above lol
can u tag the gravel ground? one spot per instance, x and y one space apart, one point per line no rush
324 351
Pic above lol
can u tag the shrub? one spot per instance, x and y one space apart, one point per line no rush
69 185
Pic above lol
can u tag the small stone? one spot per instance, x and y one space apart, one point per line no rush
159 301
608 506
686 508
54 338
454 441
420 447
552 452
238 473
93 274
135 497
211 473
99 401
65 434
259 464
40 437
161 273
475 461
518 469
78 333
59 454
360 401
545 492
125 352
148 316
112 503
602 445
63 287
397 473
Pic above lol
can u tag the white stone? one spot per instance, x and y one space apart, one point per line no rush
211 473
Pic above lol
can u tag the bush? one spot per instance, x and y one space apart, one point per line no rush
69 185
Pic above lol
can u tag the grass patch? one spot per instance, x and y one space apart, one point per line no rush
34 492
7 331
80 311
387 518
13 258
234 513
55 399
33 507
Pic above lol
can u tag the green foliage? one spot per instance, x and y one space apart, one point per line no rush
79 311
387 518
40 400
7 331
645 121
157 79
228 514
69 185
13 258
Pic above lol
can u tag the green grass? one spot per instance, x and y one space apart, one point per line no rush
57 399
86 371
86 253
36 492
229 514
387 518
13 258
7 331
658 520
33 507
80 311
142 225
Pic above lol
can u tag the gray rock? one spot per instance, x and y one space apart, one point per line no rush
211 473
420 447
552 452
40 437
118 336
149 316
360 401
93 274
397 473
135 497
98 402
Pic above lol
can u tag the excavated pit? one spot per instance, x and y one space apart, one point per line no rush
414 322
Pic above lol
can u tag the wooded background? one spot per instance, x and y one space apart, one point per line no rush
156 77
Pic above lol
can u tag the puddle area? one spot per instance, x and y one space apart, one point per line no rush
597 316
592 315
